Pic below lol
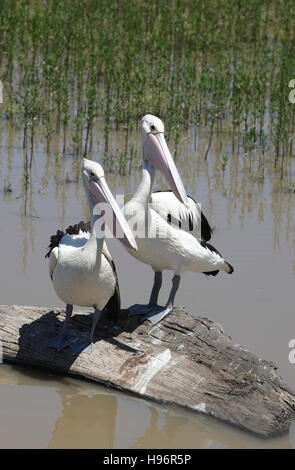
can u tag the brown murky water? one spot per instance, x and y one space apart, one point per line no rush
40 410
255 227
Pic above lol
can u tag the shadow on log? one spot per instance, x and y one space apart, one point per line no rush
183 360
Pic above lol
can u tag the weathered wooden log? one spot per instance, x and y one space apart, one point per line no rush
183 360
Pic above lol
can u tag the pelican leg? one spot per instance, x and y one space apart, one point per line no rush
85 345
63 340
156 289
140 309
156 316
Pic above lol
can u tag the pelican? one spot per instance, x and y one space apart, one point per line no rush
80 266
170 230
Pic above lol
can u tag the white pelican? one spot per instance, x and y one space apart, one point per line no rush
80 265
170 230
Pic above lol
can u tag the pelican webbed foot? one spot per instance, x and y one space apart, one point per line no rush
153 313
63 340
84 345
155 316
142 309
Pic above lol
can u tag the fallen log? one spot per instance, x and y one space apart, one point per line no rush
183 360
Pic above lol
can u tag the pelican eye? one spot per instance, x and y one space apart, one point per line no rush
92 173
153 128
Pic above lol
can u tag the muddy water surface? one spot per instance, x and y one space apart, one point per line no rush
254 228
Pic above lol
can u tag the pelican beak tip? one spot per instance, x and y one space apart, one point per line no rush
133 247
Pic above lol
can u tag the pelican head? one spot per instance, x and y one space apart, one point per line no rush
98 192
156 154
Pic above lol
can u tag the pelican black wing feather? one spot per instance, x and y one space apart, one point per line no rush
206 230
71 230
112 308
214 250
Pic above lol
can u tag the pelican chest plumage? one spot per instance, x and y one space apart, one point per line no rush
170 230
80 266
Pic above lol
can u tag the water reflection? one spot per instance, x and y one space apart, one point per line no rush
86 421
67 413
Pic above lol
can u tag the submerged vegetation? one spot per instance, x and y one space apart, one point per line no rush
68 66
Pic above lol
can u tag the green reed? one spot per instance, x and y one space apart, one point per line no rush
77 64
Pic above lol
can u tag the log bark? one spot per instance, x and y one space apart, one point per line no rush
184 360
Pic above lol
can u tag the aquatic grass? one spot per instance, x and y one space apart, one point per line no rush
73 65
224 163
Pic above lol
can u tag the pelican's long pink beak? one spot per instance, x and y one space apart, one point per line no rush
101 193
157 153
